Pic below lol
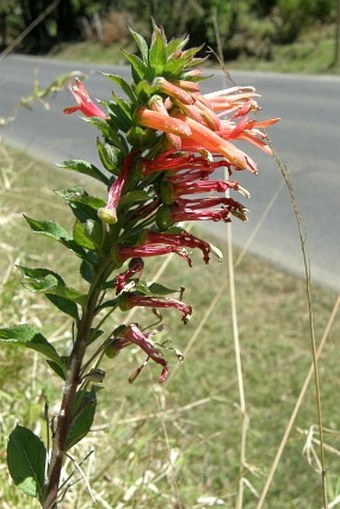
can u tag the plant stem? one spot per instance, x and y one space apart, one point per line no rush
69 392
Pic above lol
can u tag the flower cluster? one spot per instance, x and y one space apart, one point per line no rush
163 142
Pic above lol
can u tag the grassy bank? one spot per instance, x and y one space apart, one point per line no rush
156 445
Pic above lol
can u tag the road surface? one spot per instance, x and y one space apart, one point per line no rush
307 140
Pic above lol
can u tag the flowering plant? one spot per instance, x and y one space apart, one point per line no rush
160 146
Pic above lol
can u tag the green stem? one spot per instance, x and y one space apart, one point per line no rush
70 389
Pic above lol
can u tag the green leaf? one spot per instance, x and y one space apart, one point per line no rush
118 80
49 229
86 271
112 303
158 289
78 194
65 305
177 44
120 113
29 337
26 458
40 279
145 90
49 282
94 335
54 230
57 368
84 411
139 70
87 234
66 292
110 156
110 132
133 198
158 53
148 288
142 45
85 168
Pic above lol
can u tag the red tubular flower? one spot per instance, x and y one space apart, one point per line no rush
136 266
85 104
188 214
173 162
130 300
173 188
156 244
234 207
133 335
149 249
108 214
200 210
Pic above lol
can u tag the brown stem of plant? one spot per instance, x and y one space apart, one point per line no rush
65 414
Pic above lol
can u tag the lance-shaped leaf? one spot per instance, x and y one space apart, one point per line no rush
88 234
79 195
158 51
83 205
26 458
86 271
142 45
29 337
52 285
139 69
49 229
110 133
83 415
118 80
55 231
148 288
133 198
85 168
110 156
120 113
60 371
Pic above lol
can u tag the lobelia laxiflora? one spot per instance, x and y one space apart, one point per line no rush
161 142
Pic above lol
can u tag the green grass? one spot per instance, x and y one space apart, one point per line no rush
194 419
312 53
90 51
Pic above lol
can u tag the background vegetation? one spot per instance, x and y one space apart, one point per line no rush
246 27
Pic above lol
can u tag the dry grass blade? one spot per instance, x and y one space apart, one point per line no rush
302 237
297 407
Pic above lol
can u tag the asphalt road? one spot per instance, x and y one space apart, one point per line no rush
307 140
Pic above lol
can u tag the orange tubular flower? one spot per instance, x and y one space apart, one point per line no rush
157 104
248 130
207 139
173 90
161 122
231 99
85 104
